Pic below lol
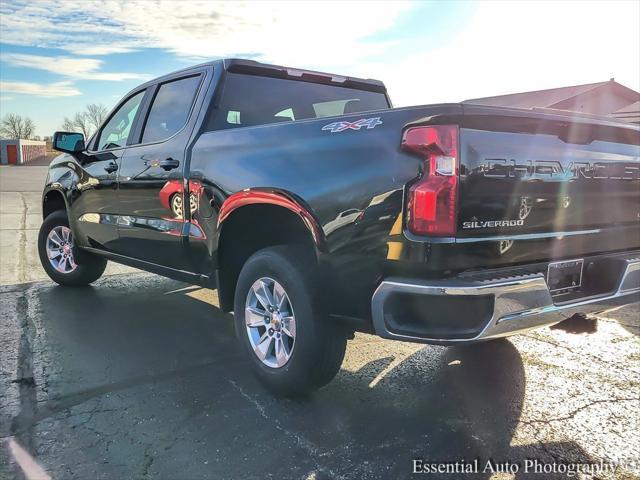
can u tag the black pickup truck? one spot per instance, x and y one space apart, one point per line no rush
317 210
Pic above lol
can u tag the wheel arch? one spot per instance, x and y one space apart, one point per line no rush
53 199
247 223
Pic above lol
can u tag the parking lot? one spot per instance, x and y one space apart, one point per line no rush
139 377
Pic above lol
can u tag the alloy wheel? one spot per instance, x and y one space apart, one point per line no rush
176 205
270 322
60 249
193 203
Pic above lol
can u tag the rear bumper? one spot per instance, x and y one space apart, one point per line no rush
458 311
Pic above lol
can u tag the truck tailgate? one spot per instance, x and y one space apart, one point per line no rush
531 175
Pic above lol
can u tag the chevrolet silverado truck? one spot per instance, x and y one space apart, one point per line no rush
318 210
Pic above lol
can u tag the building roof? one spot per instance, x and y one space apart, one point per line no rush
634 107
551 97
630 113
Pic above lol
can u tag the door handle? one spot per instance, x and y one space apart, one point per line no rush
111 167
169 164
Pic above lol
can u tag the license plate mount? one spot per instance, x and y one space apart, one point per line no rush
565 277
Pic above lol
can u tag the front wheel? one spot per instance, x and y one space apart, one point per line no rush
293 346
57 254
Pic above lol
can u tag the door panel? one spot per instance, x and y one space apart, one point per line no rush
152 208
94 208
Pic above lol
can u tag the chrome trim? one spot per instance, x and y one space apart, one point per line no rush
632 267
503 236
525 236
520 304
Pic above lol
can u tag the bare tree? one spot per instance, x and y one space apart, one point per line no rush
87 121
68 125
96 113
14 126
28 128
81 122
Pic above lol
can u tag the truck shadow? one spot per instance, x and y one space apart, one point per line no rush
162 350
628 317
458 405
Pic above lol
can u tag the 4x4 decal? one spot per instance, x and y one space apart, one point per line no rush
369 123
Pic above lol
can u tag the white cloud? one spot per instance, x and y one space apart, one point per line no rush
84 49
511 47
57 89
299 33
506 46
80 68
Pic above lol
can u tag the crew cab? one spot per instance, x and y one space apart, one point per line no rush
317 210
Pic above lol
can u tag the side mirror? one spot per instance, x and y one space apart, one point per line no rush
68 142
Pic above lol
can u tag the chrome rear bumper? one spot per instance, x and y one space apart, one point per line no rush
519 304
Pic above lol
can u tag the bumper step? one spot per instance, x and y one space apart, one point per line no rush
498 308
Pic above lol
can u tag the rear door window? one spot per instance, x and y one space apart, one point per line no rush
170 109
249 100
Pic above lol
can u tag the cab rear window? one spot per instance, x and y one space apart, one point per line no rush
249 100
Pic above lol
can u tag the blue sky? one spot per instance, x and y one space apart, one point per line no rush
56 57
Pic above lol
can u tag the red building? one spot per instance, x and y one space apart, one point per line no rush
21 151
602 98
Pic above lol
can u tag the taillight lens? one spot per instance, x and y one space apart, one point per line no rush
432 199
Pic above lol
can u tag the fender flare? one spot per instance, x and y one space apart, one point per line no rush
62 183
56 190
279 198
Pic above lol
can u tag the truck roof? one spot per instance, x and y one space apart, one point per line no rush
251 67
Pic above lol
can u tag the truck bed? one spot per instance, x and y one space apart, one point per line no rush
354 184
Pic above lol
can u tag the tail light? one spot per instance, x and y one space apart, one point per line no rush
432 199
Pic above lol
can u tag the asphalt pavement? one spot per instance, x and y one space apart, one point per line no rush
140 377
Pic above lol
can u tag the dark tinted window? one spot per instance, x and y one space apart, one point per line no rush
254 100
170 109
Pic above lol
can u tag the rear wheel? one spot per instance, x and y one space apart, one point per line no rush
58 254
279 320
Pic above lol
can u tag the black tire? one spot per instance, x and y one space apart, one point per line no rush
319 343
88 268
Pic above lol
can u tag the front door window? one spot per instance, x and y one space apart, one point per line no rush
116 132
